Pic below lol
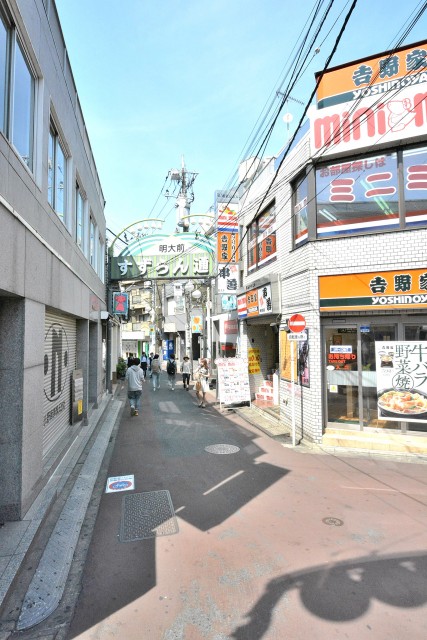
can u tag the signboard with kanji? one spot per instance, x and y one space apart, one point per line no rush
376 76
254 358
163 256
227 247
228 278
401 369
233 380
403 289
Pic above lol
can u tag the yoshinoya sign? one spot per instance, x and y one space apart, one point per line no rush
403 289
163 256
376 76
345 127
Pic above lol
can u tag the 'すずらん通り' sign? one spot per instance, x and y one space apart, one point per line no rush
403 289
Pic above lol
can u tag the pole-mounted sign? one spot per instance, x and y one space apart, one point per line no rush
297 323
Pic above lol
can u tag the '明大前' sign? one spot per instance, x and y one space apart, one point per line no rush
163 256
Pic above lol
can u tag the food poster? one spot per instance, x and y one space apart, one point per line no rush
402 380
301 367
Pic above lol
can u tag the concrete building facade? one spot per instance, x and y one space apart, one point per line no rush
52 258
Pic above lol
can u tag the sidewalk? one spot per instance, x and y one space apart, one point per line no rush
16 538
47 586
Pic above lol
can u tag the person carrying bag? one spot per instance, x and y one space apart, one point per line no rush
202 382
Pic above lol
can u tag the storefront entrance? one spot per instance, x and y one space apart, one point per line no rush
350 365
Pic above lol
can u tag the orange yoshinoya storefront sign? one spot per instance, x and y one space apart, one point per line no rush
376 76
403 289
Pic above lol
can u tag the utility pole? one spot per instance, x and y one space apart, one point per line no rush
185 197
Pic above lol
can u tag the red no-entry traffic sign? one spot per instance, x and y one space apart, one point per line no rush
296 323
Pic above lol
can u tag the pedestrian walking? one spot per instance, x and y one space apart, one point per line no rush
202 382
155 372
171 371
186 371
131 356
144 364
150 360
135 378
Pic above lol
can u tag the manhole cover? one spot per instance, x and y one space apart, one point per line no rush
333 522
147 515
222 448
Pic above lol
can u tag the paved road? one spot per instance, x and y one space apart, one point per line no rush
271 542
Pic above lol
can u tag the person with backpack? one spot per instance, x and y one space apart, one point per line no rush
155 372
171 371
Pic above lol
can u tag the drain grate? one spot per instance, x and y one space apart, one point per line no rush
222 449
147 515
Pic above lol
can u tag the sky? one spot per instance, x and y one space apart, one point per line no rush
162 80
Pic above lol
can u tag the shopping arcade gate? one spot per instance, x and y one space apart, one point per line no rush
165 257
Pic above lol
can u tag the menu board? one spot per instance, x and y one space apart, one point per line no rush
233 380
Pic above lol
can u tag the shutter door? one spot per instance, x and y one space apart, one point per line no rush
59 362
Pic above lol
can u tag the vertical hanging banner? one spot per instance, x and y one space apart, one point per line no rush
227 241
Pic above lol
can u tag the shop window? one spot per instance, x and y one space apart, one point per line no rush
262 239
17 90
356 196
300 211
57 174
415 181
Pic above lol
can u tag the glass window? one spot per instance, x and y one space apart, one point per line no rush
301 211
92 255
3 75
252 246
357 196
56 174
415 179
101 261
262 239
17 91
266 236
79 218
23 108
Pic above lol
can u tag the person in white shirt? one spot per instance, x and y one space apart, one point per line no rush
186 372
155 372
135 378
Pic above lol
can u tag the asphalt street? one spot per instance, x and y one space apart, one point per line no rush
229 534
267 542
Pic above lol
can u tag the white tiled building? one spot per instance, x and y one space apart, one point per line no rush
339 225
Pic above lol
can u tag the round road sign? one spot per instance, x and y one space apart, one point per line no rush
296 323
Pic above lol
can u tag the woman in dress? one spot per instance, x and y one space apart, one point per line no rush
202 374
